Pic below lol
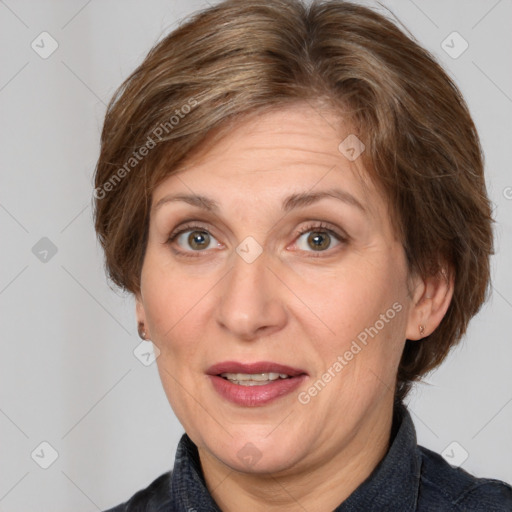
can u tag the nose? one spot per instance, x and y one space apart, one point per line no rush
251 304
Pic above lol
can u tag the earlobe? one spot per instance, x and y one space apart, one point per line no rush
140 314
431 299
142 331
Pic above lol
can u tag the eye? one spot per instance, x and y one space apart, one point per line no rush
193 239
318 238
197 240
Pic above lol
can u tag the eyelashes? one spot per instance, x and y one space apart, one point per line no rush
324 237
317 231
201 235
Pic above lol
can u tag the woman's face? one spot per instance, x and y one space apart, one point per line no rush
288 265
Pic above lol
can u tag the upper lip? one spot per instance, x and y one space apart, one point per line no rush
251 368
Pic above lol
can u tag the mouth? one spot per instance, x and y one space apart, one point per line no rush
253 379
254 384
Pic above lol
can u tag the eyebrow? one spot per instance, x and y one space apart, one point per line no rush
291 202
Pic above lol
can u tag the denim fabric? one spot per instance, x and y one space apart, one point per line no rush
409 478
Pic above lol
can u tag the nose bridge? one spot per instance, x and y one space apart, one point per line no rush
250 301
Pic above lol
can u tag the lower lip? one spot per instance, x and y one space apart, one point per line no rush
254 396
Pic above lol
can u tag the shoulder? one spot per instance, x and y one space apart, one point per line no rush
155 497
449 488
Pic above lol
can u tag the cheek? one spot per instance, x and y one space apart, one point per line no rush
354 297
172 299
173 302
365 309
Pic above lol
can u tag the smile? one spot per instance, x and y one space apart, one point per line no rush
254 384
253 379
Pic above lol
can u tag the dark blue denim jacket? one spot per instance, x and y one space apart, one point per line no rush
409 478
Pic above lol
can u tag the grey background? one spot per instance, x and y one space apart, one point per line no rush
68 373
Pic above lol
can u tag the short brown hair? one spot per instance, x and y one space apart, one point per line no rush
240 58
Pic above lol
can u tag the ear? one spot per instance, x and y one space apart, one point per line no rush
140 314
431 297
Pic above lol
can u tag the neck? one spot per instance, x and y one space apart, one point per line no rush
313 487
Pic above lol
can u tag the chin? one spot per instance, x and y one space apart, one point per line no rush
250 451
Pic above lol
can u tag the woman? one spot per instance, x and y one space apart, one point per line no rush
282 189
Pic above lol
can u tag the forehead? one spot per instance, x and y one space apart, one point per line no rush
290 150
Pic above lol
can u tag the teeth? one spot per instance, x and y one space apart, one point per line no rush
253 379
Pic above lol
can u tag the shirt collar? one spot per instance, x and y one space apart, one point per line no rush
394 482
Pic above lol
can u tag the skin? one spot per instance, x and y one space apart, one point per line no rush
293 305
